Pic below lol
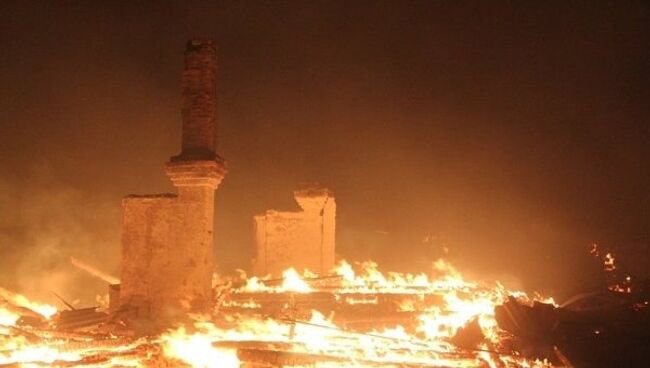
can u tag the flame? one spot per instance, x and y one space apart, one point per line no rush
293 282
370 280
608 263
249 304
615 283
7 317
42 354
45 310
197 350
368 300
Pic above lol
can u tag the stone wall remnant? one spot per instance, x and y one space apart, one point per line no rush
302 240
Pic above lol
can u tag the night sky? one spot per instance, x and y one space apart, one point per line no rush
512 133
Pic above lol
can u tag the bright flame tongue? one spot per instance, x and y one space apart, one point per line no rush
197 350
7 317
293 282
44 310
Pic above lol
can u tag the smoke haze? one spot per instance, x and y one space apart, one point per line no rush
513 134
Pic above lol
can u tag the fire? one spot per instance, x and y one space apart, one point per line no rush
7 317
292 281
461 302
41 354
372 281
197 350
45 310
441 303
444 322
609 262
615 283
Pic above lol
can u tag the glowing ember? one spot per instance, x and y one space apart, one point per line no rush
609 263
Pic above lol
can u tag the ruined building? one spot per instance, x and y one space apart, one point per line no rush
167 239
303 240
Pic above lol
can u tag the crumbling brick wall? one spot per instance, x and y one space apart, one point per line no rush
167 253
302 240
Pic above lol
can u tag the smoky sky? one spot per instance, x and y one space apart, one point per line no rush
512 134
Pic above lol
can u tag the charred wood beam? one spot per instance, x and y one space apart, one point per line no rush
69 320
94 271
285 359
70 306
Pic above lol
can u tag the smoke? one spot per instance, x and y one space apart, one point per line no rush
43 223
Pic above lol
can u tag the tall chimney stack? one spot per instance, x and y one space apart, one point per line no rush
199 109
167 240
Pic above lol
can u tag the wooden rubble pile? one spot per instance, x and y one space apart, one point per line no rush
361 311
600 329
356 314
103 339
94 336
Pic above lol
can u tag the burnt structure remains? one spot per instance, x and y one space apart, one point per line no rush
302 240
167 239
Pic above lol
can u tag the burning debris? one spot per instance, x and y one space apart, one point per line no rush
594 330
355 316
607 328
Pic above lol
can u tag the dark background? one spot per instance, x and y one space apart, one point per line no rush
512 133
